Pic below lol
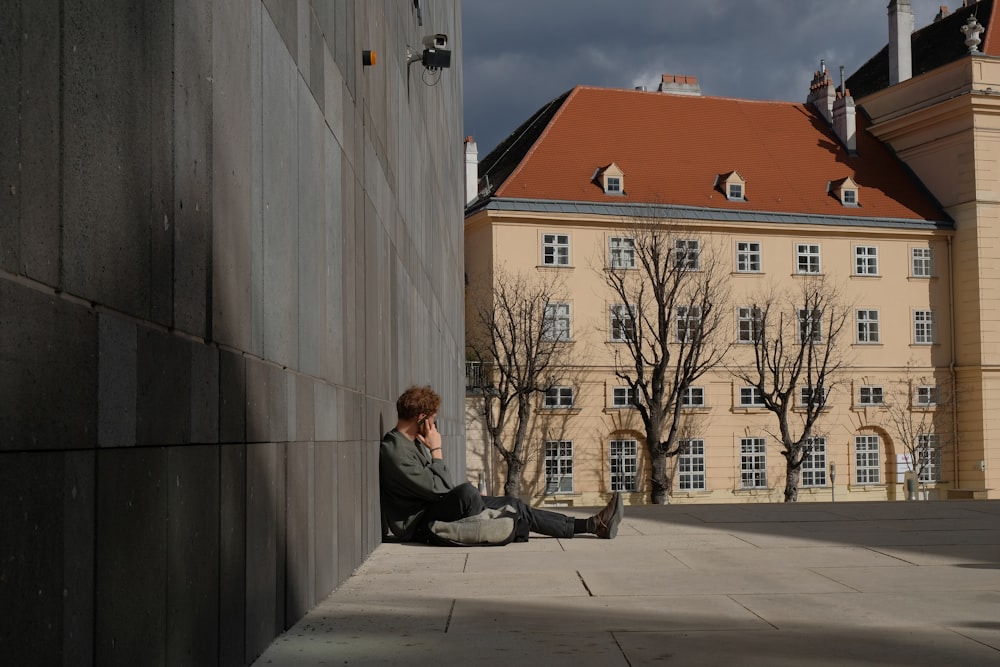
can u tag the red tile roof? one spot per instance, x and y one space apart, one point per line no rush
672 148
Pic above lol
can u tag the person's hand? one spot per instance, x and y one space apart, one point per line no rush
429 435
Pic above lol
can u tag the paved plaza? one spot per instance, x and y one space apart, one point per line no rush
879 583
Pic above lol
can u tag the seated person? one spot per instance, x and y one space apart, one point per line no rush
417 490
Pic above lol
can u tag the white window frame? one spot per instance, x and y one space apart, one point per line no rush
734 192
808 258
613 185
923 327
753 463
810 325
750 397
867 459
805 393
922 262
693 397
622 397
928 452
558 321
871 394
814 463
867 326
555 249
688 322
559 398
691 465
849 197
621 252
866 260
623 457
621 323
558 466
925 396
749 324
748 257
687 254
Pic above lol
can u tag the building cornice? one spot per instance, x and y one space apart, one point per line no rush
697 214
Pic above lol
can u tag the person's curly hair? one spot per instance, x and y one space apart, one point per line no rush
416 400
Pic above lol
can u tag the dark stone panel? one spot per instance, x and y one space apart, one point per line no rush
232 397
261 548
317 51
131 564
325 490
305 408
79 524
107 217
31 566
280 197
300 520
232 554
160 51
347 487
277 404
334 325
117 381
39 158
285 15
311 260
258 378
232 162
163 412
192 211
193 540
48 371
204 393
281 618
11 51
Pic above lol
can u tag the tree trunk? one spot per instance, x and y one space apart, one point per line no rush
792 477
512 487
659 494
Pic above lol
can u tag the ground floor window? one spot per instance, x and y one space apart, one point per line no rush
929 457
866 459
814 463
753 463
691 465
559 466
624 465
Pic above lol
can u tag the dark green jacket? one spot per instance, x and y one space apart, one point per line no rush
409 479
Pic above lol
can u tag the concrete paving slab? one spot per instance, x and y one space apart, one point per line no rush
751 558
947 554
819 647
716 582
931 578
603 614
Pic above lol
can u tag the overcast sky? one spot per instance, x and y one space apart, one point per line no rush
519 54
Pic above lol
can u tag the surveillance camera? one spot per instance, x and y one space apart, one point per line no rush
438 41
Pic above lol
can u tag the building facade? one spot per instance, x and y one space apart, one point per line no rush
845 187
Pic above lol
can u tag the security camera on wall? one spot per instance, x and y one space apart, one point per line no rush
436 54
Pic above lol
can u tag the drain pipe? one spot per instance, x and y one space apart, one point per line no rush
951 364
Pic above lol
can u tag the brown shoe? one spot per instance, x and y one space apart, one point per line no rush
606 521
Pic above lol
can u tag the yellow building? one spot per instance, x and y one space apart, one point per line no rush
888 195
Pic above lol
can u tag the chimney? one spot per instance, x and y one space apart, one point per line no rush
822 93
845 123
471 170
900 29
679 85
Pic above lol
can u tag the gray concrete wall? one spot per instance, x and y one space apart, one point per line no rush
225 247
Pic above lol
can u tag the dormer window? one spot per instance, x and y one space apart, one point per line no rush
611 179
845 190
732 185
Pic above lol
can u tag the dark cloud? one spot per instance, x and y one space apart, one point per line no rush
519 54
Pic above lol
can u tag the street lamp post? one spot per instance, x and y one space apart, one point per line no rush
833 482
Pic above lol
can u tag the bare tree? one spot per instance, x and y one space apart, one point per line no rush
667 323
796 361
916 412
520 346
